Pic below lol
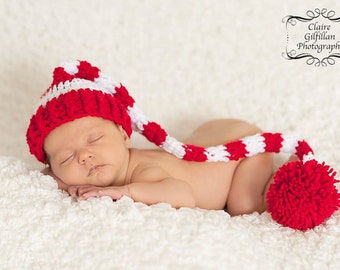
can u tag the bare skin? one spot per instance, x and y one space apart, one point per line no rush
91 157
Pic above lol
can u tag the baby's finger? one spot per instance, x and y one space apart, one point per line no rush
77 191
73 191
89 194
111 192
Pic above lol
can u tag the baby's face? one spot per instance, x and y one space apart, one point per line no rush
88 150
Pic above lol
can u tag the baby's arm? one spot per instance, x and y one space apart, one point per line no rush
173 191
169 190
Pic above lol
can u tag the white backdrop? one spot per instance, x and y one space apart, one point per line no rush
183 62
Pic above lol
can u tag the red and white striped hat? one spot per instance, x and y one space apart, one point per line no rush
79 89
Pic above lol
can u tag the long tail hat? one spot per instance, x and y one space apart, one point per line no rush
302 196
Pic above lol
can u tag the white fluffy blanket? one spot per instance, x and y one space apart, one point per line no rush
43 228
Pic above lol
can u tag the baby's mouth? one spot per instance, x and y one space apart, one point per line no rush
94 169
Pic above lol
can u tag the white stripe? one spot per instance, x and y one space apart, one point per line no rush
174 147
107 83
289 144
254 144
217 153
138 119
75 84
71 67
307 157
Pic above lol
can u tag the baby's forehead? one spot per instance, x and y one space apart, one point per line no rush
80 125
64 134
70 133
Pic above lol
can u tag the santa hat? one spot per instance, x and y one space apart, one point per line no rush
302 196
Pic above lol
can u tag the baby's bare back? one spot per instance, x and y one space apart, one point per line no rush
249 177
209 181
235 185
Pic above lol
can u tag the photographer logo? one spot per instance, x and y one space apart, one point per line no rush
315 38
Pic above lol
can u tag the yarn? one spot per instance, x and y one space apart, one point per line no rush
303 195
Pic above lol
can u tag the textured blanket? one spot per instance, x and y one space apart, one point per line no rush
43 228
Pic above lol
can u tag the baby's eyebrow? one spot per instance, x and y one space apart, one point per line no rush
58 155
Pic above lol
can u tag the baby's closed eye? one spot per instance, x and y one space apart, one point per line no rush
66 159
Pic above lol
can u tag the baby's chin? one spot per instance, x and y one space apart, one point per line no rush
102 180
99 182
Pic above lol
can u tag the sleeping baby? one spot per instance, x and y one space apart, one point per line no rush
82 129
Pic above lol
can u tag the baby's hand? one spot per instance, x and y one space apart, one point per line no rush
84 192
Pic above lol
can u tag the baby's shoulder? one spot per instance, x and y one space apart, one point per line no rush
148 166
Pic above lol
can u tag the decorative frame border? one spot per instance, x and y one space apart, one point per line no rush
310 59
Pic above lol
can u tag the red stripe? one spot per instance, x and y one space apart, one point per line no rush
87 71
154 133
124 97
236 150
194 153
60 75
273 142
302 149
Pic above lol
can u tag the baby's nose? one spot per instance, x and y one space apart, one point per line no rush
84 155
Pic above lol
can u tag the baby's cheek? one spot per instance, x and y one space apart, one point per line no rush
75 174
68 176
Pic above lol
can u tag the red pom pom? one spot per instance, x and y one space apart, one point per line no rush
303 195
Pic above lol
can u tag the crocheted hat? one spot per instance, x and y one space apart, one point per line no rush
302 196
77 90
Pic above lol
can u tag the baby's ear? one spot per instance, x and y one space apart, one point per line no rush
126 137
